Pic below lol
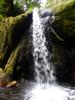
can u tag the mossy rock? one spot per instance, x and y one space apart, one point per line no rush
10 31
3 78
6 28
64 23
64 51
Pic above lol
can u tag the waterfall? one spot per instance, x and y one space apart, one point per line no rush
43 69
49 89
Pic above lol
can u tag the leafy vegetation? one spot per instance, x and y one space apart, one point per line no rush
16 7
26 4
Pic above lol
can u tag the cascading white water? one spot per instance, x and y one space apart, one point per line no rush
43 69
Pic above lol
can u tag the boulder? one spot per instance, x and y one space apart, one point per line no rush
62 34
12 30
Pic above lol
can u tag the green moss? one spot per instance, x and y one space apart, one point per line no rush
6 27
64 18
7 24
9 71
6 31
1 17
60 6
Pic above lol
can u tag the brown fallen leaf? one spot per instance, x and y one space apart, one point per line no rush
11 84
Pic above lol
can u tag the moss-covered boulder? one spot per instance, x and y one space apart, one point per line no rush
12 30
62 35
64 23
9 25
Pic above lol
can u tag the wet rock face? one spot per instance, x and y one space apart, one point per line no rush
46 13
24 64
64 55
12 30
24 67
47 16
20 29
64 58
17 29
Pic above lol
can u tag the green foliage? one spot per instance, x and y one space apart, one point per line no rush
8 8
26 4
16 7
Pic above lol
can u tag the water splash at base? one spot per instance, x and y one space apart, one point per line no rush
51 92
43 90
